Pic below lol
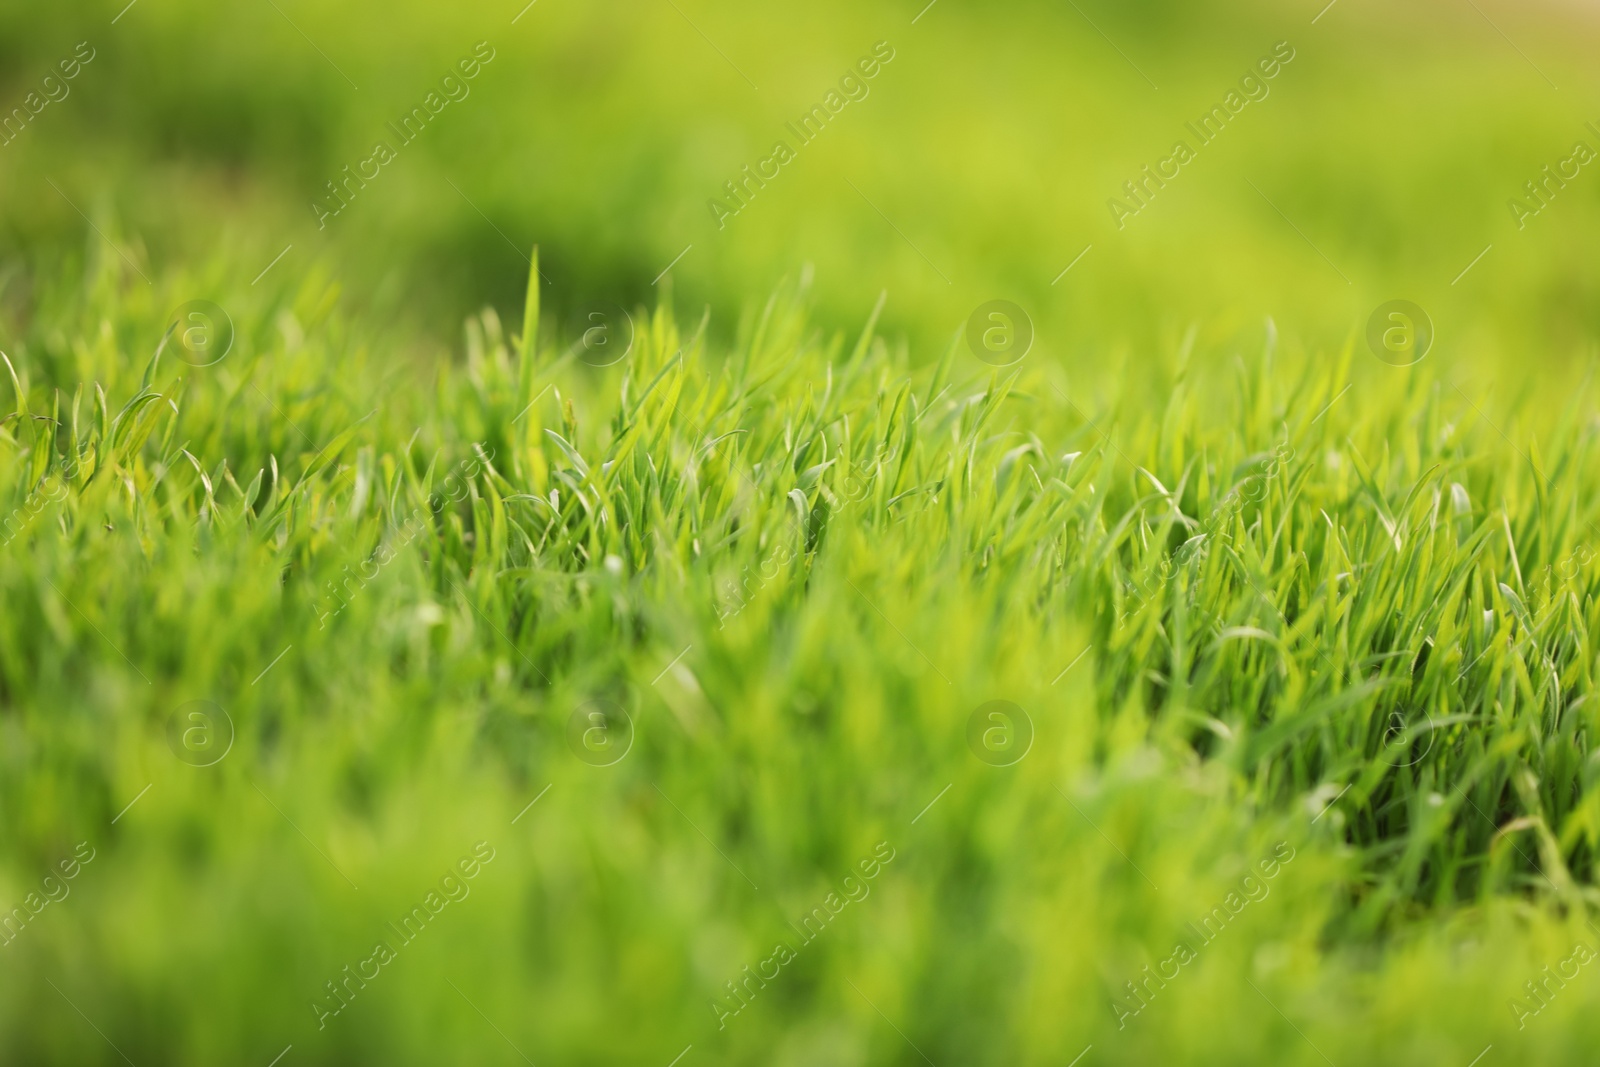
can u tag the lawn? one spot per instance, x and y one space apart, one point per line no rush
874 635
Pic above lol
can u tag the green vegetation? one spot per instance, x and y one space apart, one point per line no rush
796 688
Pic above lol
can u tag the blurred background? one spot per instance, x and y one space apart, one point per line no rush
979 165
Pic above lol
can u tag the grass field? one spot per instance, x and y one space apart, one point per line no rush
746 657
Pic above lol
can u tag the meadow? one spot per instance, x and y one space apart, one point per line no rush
579 585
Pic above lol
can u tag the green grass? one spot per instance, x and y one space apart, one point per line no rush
1200 689
1249 600
991 145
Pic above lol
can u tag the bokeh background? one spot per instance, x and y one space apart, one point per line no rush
978 167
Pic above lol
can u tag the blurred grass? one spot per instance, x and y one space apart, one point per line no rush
1249 589
992 141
